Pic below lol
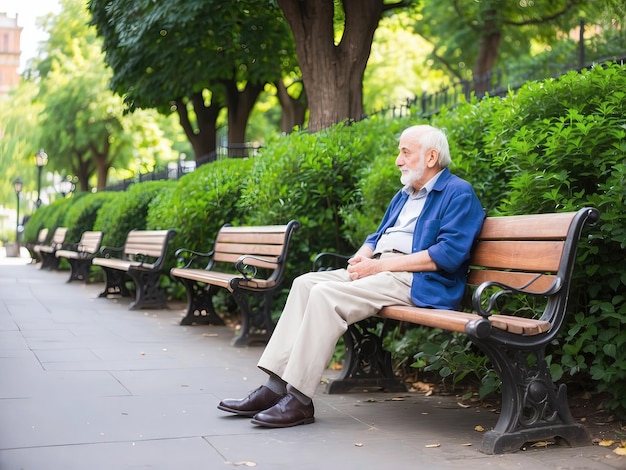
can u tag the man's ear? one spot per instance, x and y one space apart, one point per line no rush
432 158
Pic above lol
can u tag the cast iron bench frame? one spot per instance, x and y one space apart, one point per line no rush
238 257
141 259
532 255
79 255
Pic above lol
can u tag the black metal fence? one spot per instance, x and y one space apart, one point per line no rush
175 170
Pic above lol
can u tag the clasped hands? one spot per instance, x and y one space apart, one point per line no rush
361 266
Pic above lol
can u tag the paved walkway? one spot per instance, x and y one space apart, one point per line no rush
87 384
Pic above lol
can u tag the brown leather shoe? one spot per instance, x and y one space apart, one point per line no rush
260 399
289 411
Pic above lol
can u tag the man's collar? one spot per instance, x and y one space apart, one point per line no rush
427 188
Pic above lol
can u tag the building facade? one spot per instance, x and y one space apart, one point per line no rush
9 53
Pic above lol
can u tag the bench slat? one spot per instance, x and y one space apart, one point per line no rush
530 227
450 320
249 249
519 255
281 229
232 258
253 238
218 278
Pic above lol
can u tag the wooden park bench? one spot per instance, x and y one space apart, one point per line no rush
42 236
79 255
141 259
47 253
247 261
526 255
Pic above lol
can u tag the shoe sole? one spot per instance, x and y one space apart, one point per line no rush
247 414
282 425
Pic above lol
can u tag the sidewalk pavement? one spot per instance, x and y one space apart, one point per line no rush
87 384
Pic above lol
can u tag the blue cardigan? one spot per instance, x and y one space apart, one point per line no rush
448 226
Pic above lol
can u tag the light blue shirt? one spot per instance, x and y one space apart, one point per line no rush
399 237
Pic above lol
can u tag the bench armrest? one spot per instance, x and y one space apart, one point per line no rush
111 251
327 260
248 271
502 290
186 257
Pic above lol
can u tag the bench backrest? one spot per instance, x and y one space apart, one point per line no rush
58 237
533 253
42 236
148 245
267 246
90 242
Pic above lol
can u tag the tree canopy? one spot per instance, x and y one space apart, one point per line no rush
195 57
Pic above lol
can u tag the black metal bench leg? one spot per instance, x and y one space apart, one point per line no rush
115 283
148 291
366 363
256 317
79 269
533 408
49 261
200 310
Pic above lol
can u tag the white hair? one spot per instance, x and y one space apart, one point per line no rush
433 138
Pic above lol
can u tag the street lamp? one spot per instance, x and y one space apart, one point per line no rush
41 158
66 186
17 185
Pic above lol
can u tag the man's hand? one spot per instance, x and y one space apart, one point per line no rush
361 266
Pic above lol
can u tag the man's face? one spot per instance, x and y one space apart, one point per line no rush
411 160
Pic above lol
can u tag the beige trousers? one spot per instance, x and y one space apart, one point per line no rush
319 308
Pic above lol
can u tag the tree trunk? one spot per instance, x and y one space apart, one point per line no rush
82 172
332 74
240 104
203 138
488 47
101 158
293 109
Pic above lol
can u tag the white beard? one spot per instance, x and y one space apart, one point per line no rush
412 176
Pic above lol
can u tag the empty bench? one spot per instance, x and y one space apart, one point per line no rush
79 255
47 253
42 236
525 255
247 261
141 260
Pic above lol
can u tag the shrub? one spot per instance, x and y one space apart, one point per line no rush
124 211
82 214
201 202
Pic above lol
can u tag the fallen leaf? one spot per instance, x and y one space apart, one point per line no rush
421 386
397 399
467 444
428 393
541 444
606 443
462 405
358 444
620 450
479 428
430 446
